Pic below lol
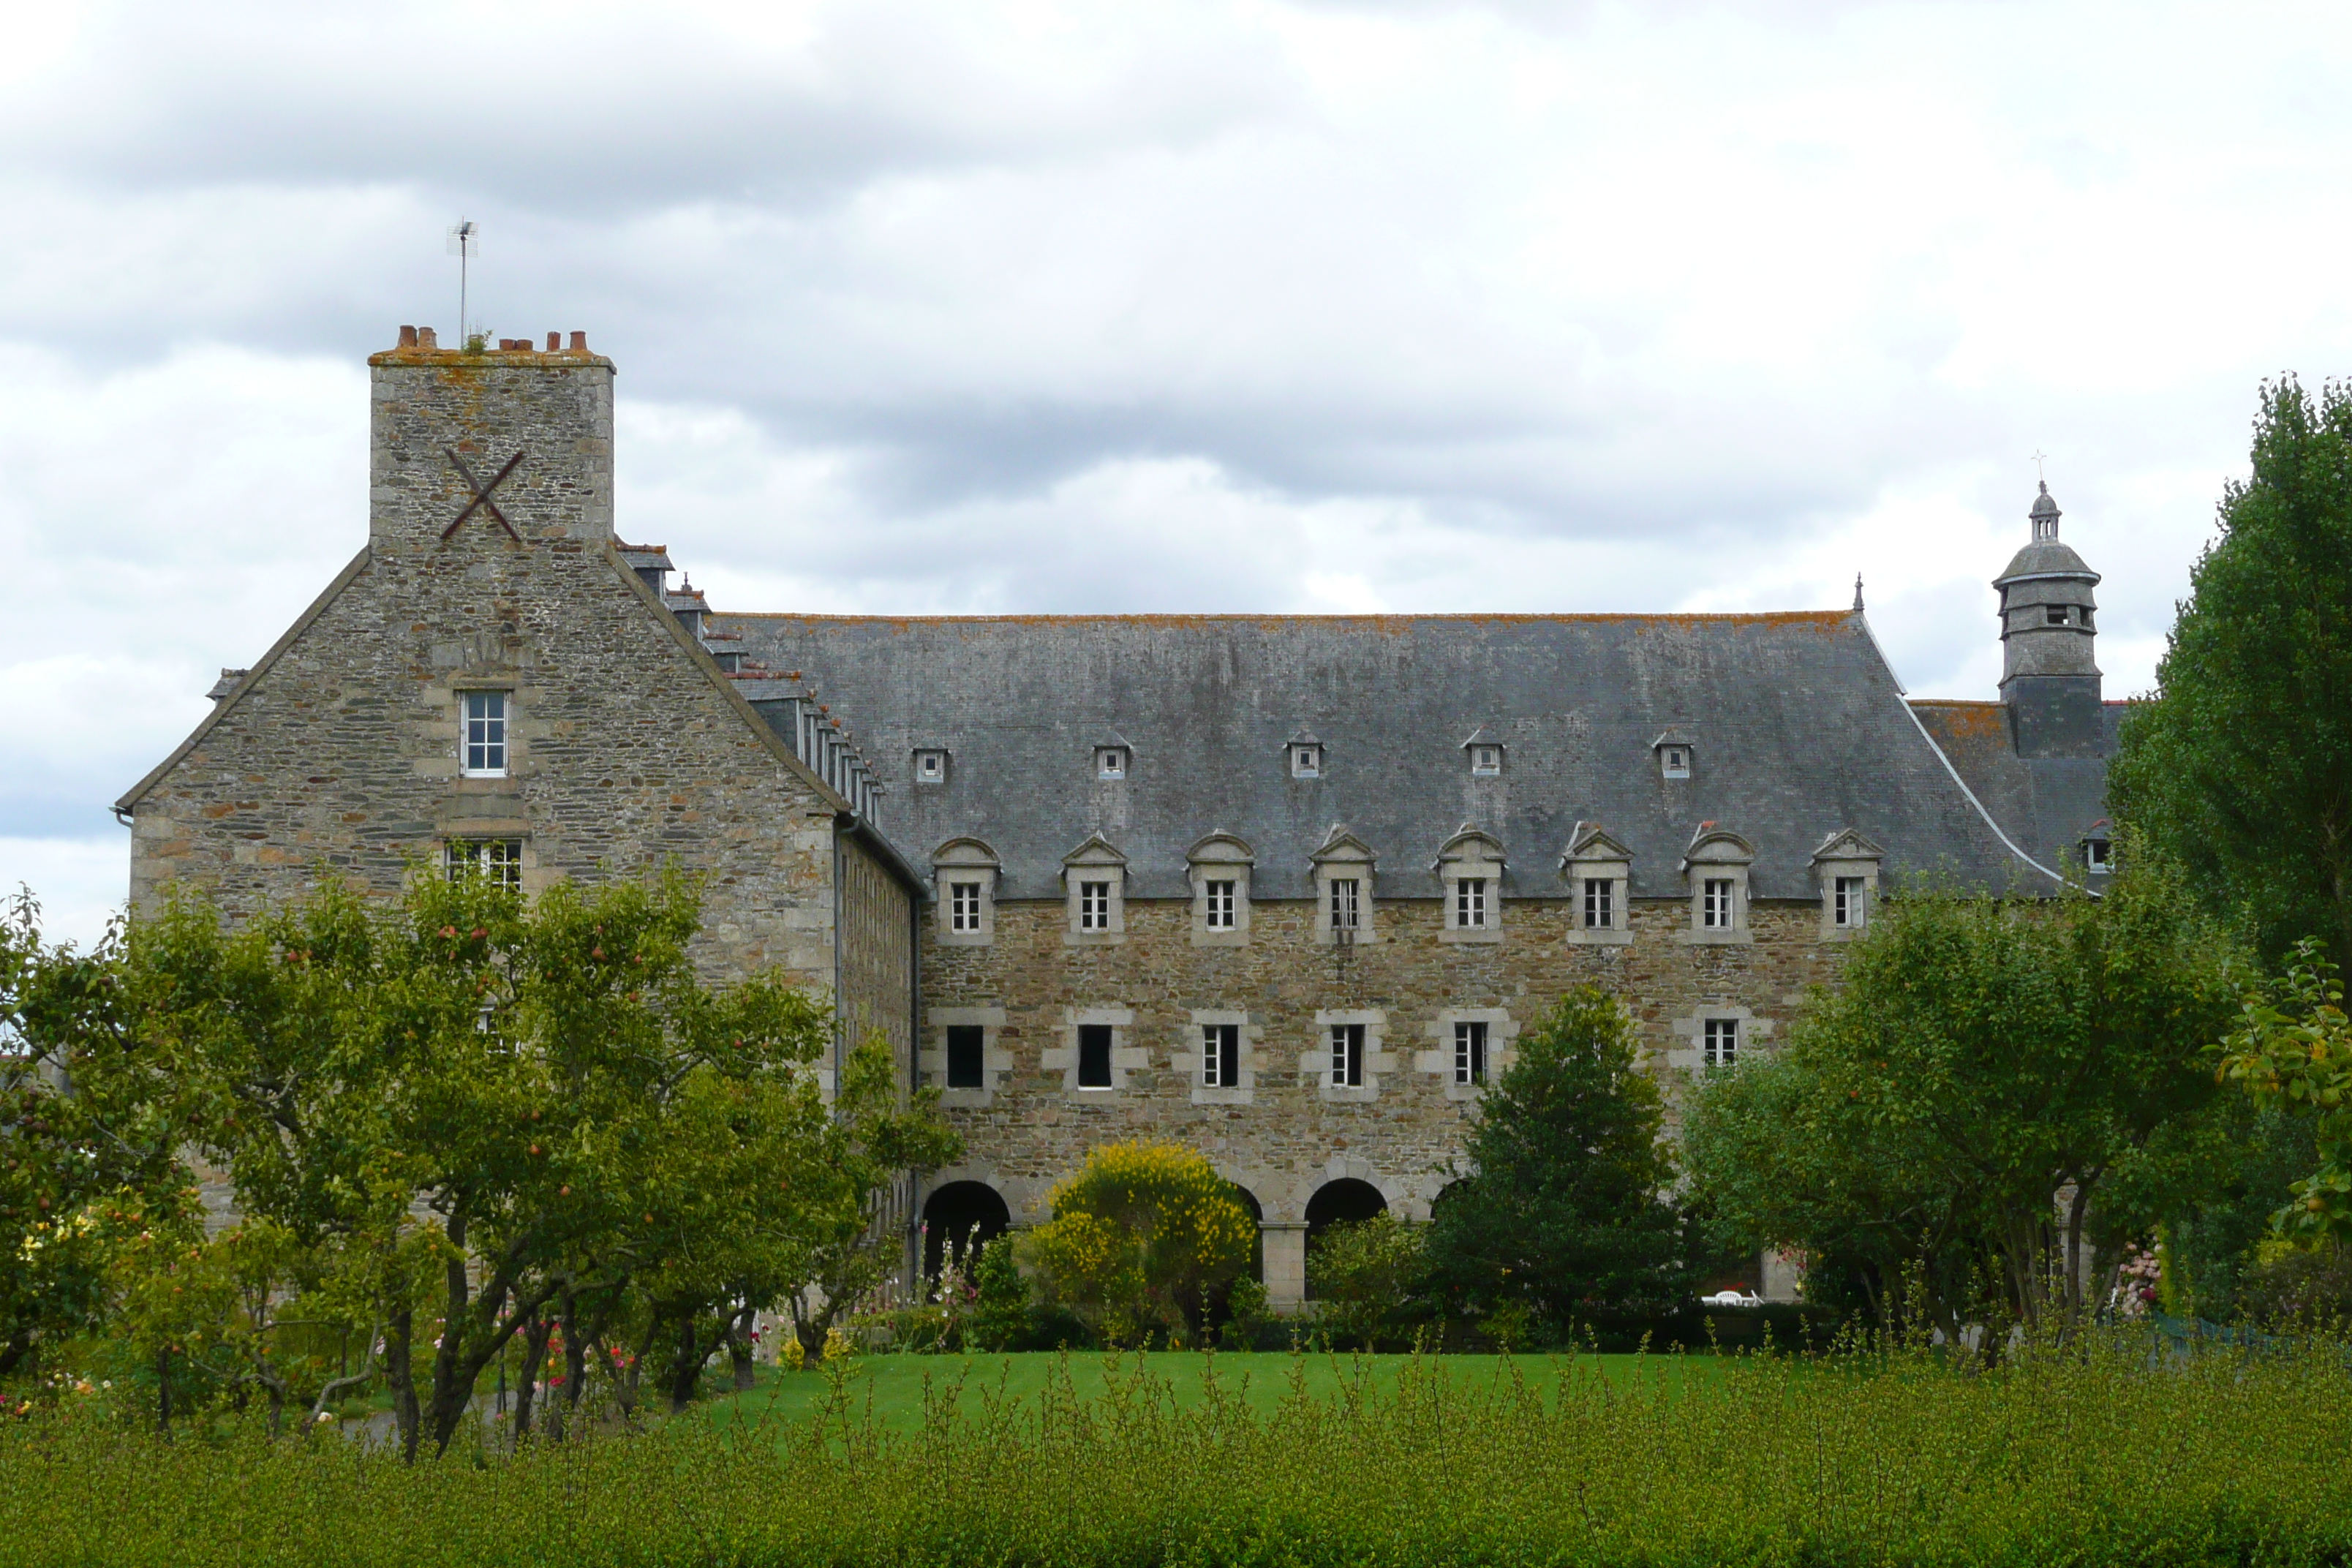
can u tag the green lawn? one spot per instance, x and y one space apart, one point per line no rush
895 1386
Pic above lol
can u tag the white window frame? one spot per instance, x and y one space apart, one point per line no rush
1346 910
1189 1059
1113 763
1306 762
1315 1065
1675 762
1441 1058
930 767
1599 911
1344 858
1720 1043
1219 896
1687 1052
1485 761
1347 1043
1593 856
498 861
1472 1051
966 897
1470 869
1717 855
1095 923
495 744
1221 1056
1220 858
1844 858
2099 855
965 860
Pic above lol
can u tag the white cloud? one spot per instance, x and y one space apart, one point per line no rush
1239 305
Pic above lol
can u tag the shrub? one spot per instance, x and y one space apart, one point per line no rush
1139 1235
2302 1288
1365 1276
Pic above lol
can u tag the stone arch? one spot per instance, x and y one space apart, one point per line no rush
1248 1200
1340 1201
958 1210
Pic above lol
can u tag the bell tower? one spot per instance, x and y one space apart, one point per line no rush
2050 674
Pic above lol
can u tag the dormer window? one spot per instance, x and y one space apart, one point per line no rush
2098 856
1111 761
1486 762
1306 762
2056 614
930 767
1673 761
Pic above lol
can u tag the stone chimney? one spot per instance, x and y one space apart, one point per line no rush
512 445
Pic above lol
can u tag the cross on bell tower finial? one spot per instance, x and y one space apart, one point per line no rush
1857 590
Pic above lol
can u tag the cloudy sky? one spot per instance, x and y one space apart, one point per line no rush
959 306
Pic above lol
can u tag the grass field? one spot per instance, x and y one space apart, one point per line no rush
896 1390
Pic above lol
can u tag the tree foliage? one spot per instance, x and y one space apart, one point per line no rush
1983 1057
476 1118
2241 767
1566 1205
2293 1048
90 1119
1139 1235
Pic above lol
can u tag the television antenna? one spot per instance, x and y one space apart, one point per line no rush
465 244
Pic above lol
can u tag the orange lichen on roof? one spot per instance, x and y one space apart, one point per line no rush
1821 621
1964 719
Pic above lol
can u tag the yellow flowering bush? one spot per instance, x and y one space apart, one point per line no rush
1139 1235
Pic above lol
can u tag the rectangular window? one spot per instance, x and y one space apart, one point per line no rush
1094 906
2056 614
1306 763
2095 855
1345 907
1722 1041
500 860
963 906
1110 762
1852 902
1220 906
485 734
1221 1056
1600 903
1347 1056
965 1045
1470 1051
1714 905
1470 903
1487 760
1094 1056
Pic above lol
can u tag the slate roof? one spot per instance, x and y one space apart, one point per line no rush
1798 729
2047 805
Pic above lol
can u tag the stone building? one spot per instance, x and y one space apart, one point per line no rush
1284 888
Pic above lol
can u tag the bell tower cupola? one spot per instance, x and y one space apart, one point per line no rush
2049 633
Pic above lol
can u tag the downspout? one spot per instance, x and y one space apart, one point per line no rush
914 1258
840 914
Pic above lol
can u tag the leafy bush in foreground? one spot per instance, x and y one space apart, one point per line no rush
2115 1455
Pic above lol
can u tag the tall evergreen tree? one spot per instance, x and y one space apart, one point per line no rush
1566 1205
2241 769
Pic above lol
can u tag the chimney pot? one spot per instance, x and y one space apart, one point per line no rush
424 339
555 342
580 342
408 337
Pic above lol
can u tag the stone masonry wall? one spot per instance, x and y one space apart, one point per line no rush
340 756
878 954
1286 1132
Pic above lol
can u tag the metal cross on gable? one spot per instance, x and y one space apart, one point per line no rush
482 494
